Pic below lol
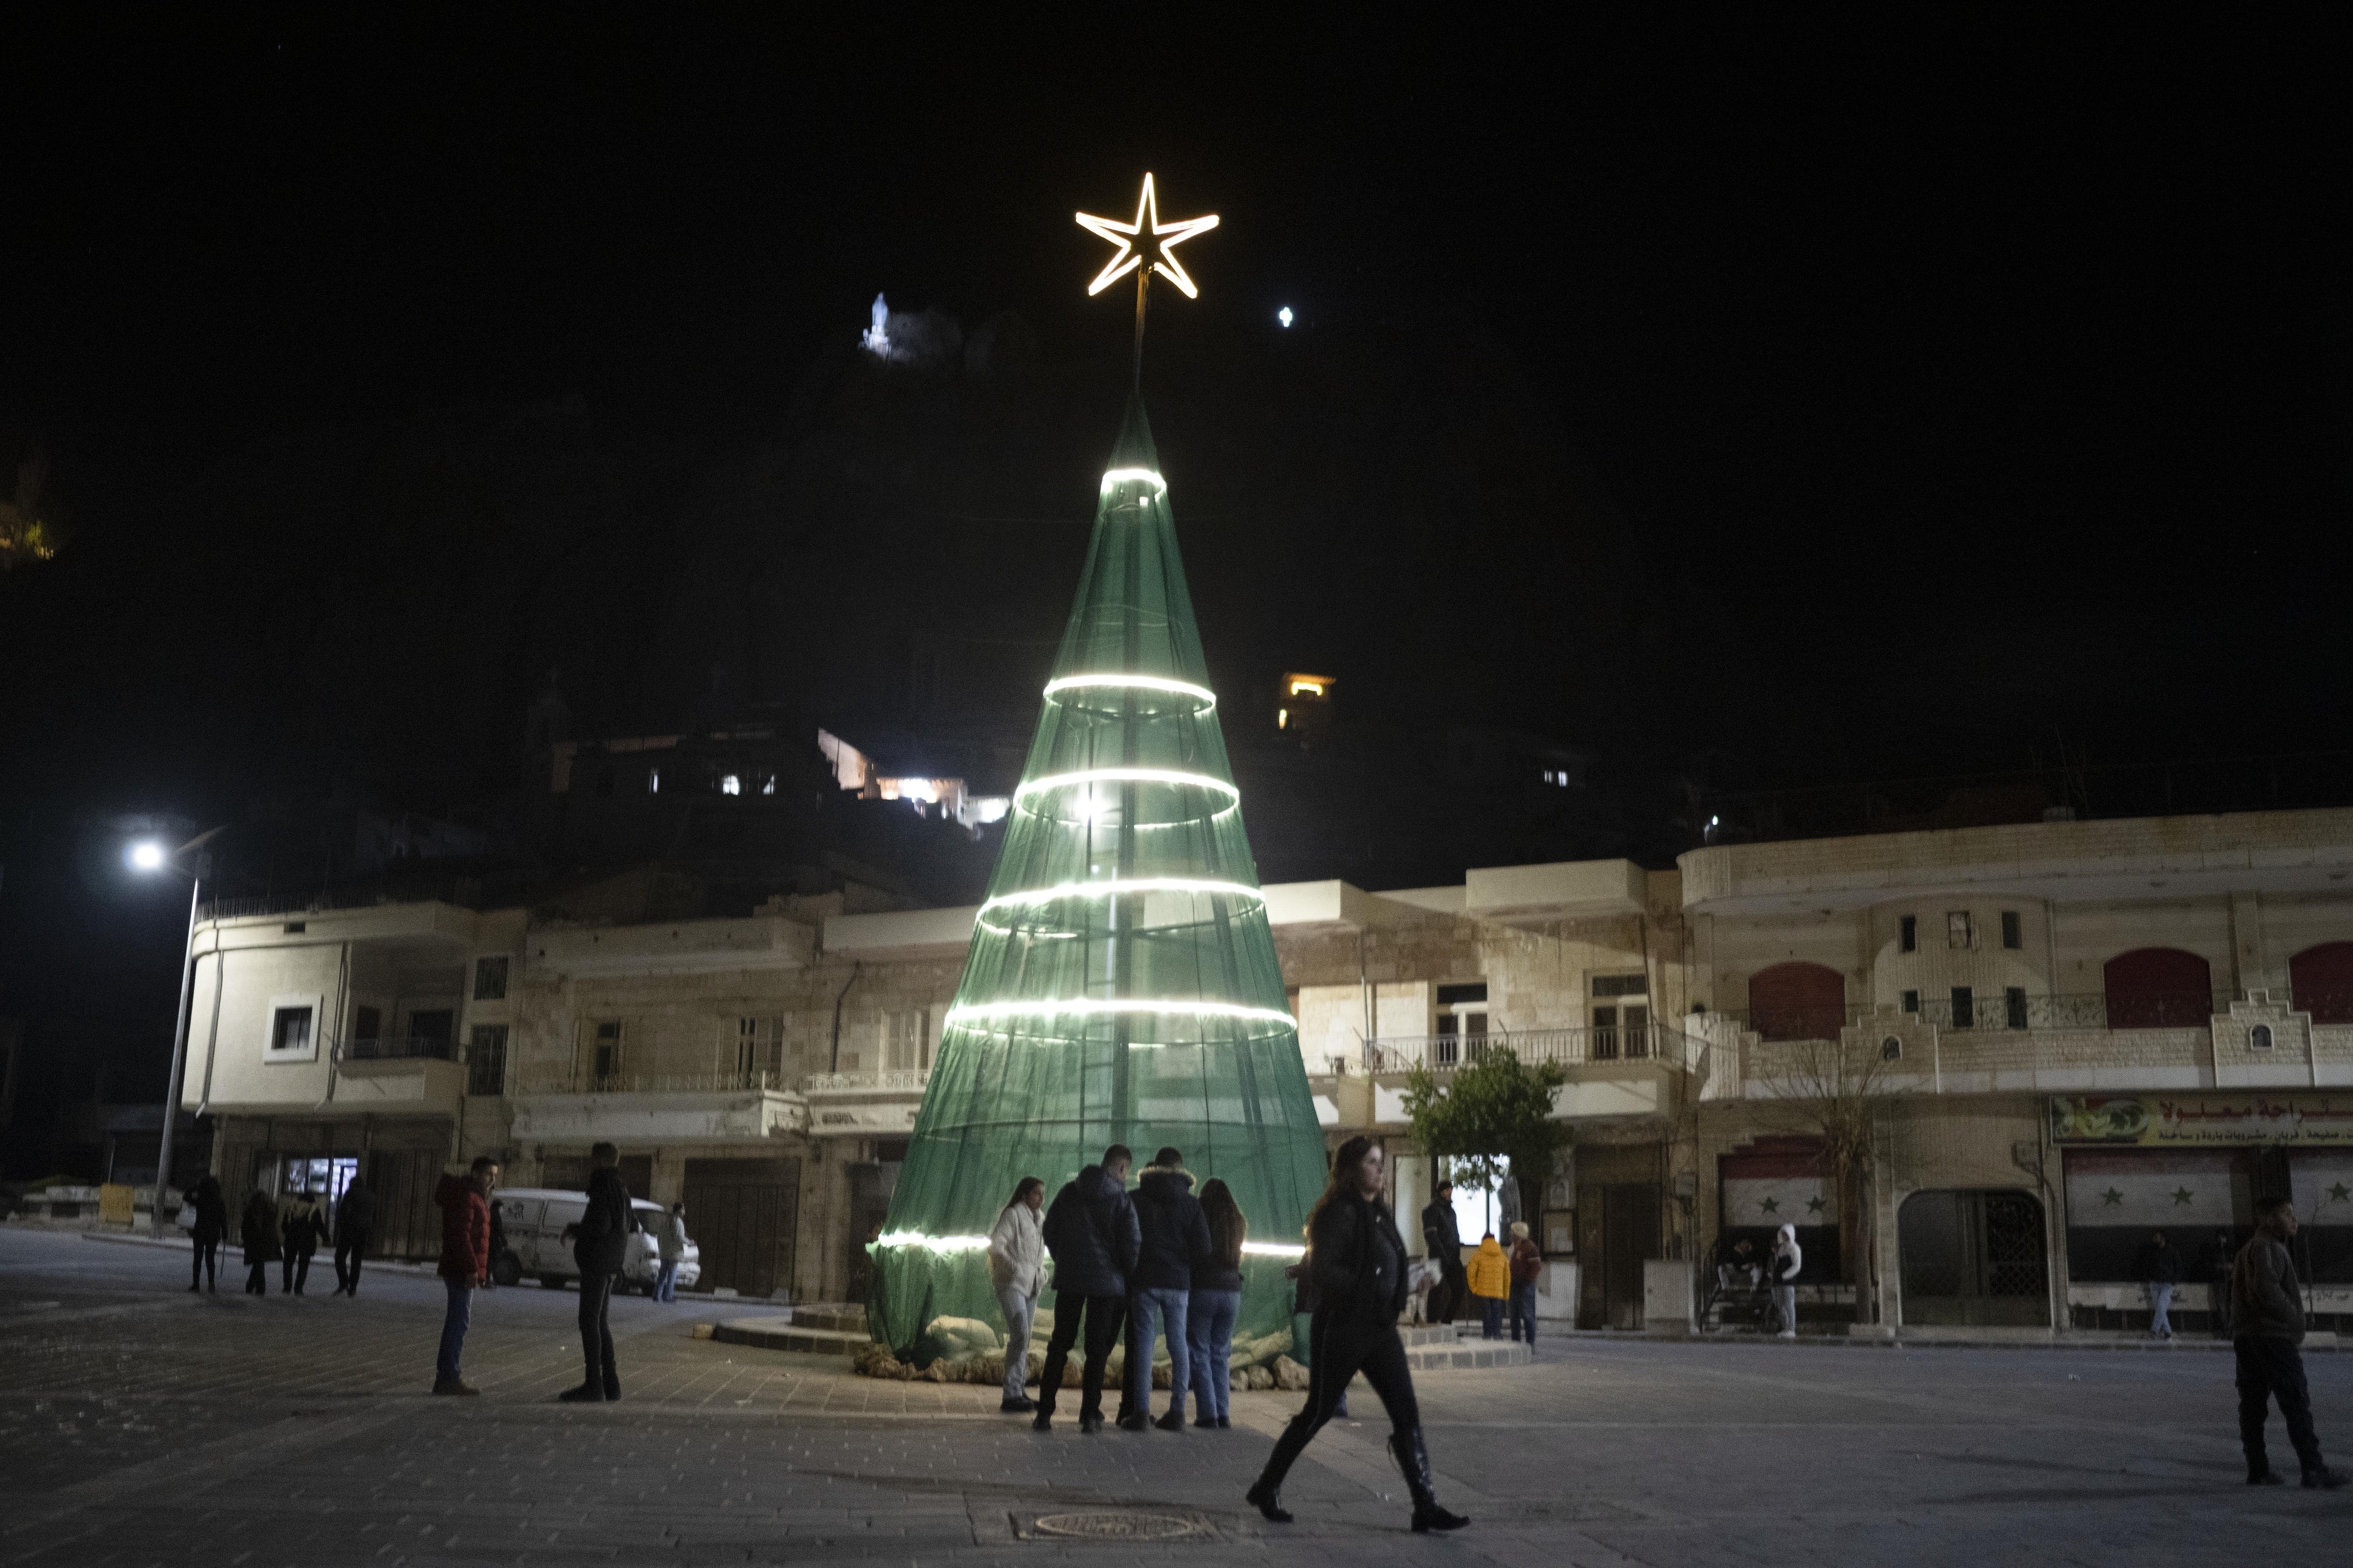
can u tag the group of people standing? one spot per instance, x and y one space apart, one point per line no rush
599 1241
1160 1263
1500 1279
289 1234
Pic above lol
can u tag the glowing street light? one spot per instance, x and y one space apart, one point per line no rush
1284 315
149 856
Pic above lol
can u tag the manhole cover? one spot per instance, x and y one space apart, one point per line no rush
1120 1526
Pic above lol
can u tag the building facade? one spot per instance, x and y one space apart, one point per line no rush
2053 1039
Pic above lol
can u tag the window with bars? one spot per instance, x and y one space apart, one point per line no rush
491 979
605 1055
760 1048
486 1059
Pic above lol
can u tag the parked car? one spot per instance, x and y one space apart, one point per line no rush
535 1218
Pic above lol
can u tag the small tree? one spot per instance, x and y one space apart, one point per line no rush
1497 1109
1833 1090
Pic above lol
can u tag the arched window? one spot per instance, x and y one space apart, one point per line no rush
1797 1002
2321 980
2158 988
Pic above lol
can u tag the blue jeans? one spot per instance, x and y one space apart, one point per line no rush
666 1282
1523 1311
2161 1304
453 1331
1020 1309
1152 1311
1491 1313
1209 1335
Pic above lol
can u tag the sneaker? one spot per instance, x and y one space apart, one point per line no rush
1044 1422
455 1386
1021 1407
1224 1424
1786 1334
586 1393
1208 1421
1089 1425
1134 1421
1174 1421
2322 1479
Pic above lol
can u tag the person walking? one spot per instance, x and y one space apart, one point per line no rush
2161 1269
671 1248
497 1242
1490 1275
354 1228
1216 1304
1527 1264
1017 1266
1090 1231
299 1233
1787 1261
600 1248
212 1224
1174 1231
2267 1307
1357 1260
2214 1263
1442 1237
465 1261
258 1226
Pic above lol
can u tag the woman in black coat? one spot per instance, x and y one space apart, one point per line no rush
212 1224
260 1235
1356 1261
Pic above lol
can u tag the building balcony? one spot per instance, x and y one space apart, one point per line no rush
663 1107
416 1084
1614 1074
865 1104
1573 1048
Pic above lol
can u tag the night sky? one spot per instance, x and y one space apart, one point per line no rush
1793 407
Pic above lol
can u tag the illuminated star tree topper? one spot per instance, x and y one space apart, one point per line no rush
1144 246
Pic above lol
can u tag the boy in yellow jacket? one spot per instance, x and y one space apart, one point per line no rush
1491 1282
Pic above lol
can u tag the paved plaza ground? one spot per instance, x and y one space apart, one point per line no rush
138 1424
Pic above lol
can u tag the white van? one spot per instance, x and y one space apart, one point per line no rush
535 1219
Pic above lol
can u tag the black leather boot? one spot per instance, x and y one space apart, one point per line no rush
1413 1459
1266 1494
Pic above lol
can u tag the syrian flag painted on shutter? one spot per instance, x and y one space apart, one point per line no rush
1772 1201
2182 1191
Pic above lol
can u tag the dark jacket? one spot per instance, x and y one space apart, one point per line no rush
1221 1267
2266 1303
1091 1229
2214 1263
261 1229
1345 1255
1173 1229
212 1215
356 1215
2160 1265
465 1230
604 1243
1440 1237
1526 1262
301 1229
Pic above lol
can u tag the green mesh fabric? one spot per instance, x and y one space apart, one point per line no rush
1121 985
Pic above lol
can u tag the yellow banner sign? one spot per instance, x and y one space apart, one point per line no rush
2188 1121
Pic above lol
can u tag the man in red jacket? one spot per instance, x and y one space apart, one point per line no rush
465 1261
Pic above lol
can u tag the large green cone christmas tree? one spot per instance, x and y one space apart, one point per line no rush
1121 985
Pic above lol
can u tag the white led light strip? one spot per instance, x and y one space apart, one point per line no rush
1146 682
1113 888
980 1243
1090 1007
1125 775
1132 476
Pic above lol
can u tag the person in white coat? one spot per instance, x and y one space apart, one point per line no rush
1787 1260
671 1242
1017 1265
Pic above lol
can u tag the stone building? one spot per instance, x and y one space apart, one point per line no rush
2056 1035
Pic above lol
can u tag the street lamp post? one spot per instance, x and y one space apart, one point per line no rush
151 857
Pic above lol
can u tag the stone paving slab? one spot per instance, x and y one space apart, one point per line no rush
144 1426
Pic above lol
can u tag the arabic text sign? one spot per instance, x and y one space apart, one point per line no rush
2188 1121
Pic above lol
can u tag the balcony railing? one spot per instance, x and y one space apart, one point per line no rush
903 1079
424 1048
660 1083
2000 1009
1569 1047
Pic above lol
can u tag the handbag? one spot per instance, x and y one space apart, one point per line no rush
188 1214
